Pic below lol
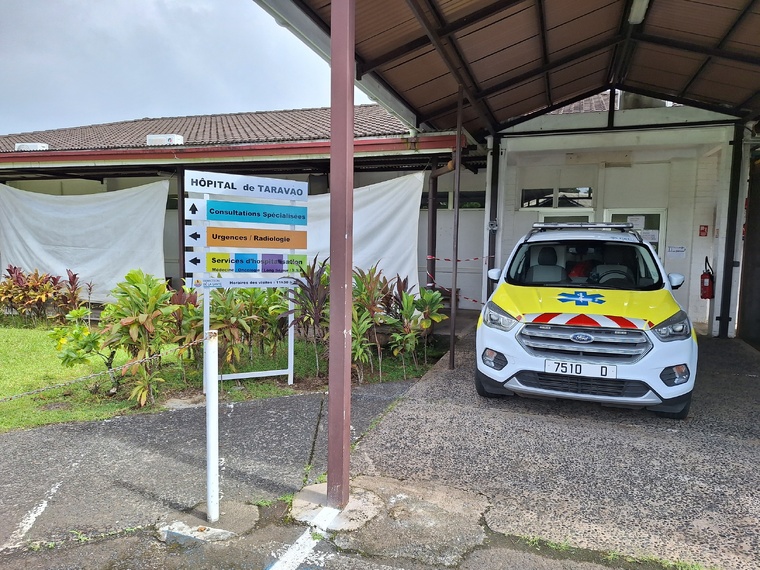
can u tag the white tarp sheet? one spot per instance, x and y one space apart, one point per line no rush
98 236
386 216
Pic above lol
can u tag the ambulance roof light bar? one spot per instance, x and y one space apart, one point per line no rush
622 227
583 225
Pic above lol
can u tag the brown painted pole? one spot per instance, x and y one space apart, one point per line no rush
457 177
181 223
432 231
341 249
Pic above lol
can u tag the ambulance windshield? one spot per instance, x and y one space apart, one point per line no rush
586 264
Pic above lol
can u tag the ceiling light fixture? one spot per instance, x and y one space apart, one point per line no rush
638 11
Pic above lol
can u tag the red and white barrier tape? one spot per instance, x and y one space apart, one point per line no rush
432 282
458 260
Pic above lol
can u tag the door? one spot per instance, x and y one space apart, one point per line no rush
650 223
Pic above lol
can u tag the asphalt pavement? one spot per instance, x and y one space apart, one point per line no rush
440 478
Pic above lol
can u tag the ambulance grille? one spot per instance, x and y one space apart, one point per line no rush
611 346
583 385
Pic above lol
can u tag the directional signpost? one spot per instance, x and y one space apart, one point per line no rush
245 244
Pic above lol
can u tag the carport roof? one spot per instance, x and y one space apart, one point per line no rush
518 58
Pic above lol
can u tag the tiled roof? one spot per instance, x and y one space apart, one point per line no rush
210 130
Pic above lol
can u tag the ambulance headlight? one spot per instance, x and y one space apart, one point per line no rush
676 327
497 318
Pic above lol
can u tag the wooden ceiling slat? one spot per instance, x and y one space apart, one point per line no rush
495 48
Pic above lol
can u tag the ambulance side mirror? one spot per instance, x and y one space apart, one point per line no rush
676 280
494 274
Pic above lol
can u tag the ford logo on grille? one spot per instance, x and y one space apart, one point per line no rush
583 338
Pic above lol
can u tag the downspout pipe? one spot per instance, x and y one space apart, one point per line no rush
729 262
432 230
455 261
493 212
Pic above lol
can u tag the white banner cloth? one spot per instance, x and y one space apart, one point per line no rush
100 237
386 216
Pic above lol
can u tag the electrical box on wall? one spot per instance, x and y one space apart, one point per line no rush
32 146
158 140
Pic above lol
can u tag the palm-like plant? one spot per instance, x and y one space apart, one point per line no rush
361 347
405 340
232 321
311 299
139 321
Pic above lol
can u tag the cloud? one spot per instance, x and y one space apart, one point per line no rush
77 62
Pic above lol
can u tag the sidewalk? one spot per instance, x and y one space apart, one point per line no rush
442 478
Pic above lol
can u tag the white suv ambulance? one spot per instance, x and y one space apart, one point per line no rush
586 311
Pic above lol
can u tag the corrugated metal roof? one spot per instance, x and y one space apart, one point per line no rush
518 58
208 130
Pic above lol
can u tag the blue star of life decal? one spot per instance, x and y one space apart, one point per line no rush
580 298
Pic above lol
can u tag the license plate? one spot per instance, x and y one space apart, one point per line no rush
580 369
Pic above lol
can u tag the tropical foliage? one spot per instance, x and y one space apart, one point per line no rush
37 296
147 317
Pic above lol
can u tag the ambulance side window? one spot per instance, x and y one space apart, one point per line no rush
519 266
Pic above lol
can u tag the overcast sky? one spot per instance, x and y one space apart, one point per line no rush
69 63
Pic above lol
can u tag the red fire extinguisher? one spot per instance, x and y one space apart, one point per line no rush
707 282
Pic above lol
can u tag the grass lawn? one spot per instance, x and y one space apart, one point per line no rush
29 361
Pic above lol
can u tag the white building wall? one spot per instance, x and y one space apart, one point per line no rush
680 228
705 199
472 263
471 269
683 173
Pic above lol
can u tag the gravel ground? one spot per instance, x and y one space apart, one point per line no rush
617 480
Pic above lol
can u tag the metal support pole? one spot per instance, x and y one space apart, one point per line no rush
457 173
731 228
181 222
211 377
493 212
341 249
432 230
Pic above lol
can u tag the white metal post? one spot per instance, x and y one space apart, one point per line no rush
291 342
211 379
206 301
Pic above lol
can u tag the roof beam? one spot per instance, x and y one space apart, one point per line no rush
621 59
444 31
393 55
532 74
544 51
453 60
747 104
720 45
554 107
307 26
681 100
696 48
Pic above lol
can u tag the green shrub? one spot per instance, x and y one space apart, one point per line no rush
140 322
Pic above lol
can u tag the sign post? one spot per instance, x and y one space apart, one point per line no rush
253 219
210 370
